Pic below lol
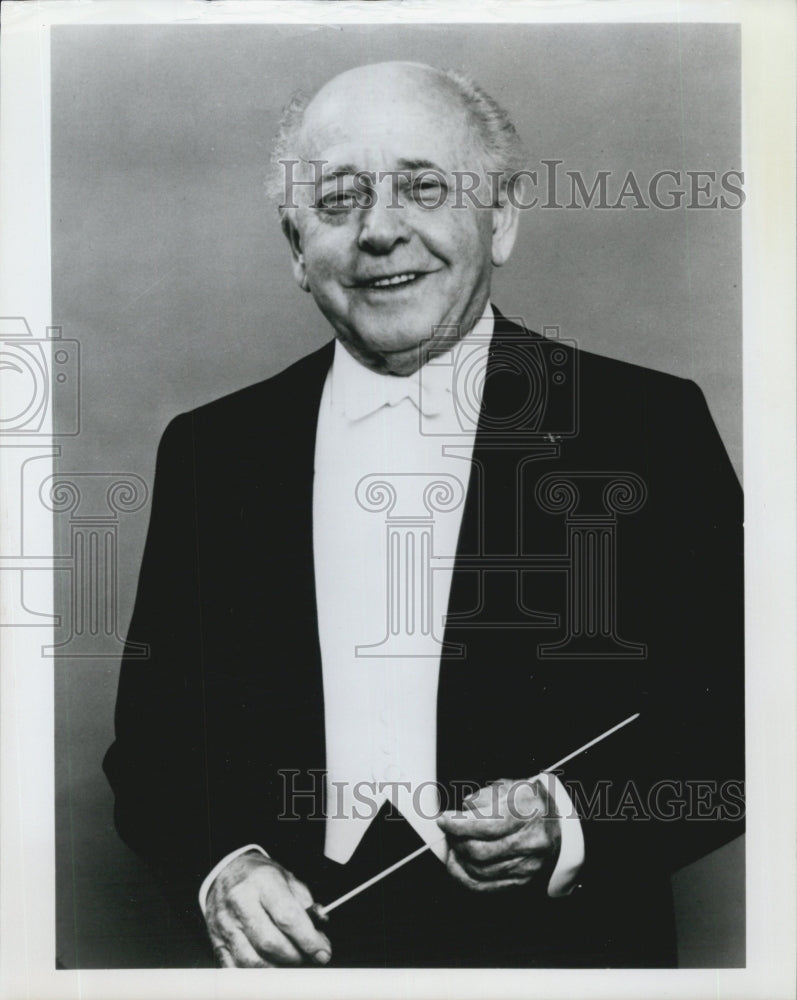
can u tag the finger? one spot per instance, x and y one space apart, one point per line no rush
525 796
289 917
486 850
247 956
270 943
314 911
253 923
458 872
496 811
223 957
231 946
487 864
530 800
516 867
300 891
318 915
478 827
221 926
486 795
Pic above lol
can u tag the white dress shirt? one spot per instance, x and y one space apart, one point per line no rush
381 709
379 523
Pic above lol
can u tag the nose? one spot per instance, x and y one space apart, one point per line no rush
384 224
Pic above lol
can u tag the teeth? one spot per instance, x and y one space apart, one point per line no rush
398 279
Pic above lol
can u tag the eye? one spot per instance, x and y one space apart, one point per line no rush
337 202
429 191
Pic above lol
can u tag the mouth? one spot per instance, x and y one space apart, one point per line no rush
393 281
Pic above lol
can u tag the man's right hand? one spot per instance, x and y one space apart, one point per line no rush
255 914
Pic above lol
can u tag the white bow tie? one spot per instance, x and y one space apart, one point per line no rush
362 391
365 392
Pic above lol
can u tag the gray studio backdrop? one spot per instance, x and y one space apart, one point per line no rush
170 271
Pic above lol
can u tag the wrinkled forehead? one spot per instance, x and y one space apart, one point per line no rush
374 123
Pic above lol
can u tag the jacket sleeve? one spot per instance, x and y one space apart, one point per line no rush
670 787
156 765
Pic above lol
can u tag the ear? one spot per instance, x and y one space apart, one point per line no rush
505 223
291 231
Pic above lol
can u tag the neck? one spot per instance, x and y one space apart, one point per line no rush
402 364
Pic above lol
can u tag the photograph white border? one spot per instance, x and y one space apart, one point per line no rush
27 896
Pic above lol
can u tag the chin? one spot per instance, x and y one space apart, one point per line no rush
399 343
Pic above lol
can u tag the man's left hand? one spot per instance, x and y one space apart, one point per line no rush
507 835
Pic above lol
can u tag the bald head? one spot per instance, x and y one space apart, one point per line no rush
382 91
378 81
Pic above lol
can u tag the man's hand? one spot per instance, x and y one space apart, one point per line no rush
507 835
255 914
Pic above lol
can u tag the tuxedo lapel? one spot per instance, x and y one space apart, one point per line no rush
278 522
485 618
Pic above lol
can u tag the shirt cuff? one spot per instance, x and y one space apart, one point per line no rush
571 851
204 889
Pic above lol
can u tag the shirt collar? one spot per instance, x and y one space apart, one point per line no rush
360 391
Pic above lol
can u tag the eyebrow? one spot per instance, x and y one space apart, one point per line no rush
421 165
342 171
348 169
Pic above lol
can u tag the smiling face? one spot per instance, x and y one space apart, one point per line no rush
380 242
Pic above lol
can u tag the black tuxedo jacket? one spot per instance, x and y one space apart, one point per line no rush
227 710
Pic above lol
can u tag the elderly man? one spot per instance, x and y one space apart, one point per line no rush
381 594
